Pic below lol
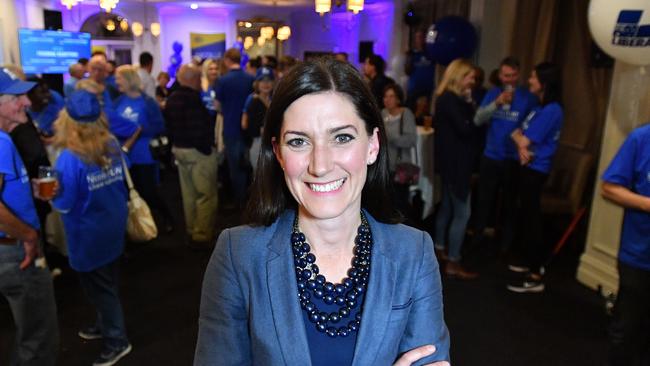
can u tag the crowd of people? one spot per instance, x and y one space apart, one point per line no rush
313 152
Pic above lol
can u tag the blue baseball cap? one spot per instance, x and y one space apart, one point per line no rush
11 84
83 106
264 73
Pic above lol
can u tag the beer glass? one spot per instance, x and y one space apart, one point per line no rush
46 182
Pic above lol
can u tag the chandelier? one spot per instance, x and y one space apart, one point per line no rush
325 6
69 3
108 5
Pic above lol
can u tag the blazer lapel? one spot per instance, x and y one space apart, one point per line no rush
283 292
378 301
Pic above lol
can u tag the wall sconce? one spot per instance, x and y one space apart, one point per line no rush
323 6
267 32
284 33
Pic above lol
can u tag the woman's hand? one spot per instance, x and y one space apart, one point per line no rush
416 354
37 192
525 156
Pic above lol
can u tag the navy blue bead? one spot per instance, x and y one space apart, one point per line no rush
295 237
310 306
347 282
323 316
318 294
328 299
301 285
303 263
339 289
344 312
351 295
313 317
321 327
353 326
358 317
320 279
306 274
303 303
331 331
305 248
305 296
353 272
315 269
359 289
310 258
339 300
328 286
311 284
351 303
335 317
343 332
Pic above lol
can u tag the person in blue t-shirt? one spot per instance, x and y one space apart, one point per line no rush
536 140
626 182
93 202
421 69
503 107
232 89
25 281
139 108
45 108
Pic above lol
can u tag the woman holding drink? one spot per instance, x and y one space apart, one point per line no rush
92 199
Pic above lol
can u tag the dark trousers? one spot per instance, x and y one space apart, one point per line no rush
144 181
495 175
629 332
101 289
531 183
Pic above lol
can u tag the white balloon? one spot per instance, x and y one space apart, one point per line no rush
627 40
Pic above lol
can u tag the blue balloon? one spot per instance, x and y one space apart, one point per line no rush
177 47
450 38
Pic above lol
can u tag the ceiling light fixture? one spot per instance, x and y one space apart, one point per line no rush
194 6
69 3
325 6
108 5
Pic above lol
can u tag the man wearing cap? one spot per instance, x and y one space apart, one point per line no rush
25 281
255 108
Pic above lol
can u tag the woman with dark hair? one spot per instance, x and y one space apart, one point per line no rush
322 275
401 137
536 141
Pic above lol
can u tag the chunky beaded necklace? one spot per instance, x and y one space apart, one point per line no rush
345 294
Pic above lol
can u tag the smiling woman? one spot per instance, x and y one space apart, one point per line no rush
322 275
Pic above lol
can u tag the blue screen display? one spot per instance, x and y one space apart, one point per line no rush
51 52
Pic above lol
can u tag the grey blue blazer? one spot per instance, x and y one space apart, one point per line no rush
250 313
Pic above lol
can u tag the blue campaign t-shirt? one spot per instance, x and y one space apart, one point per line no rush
93 203
631 168
542 126
120 127
142 112
45 118
232 90
423 72
208 97
499 144
16 192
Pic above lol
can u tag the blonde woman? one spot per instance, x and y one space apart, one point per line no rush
209 75
142 110
456 149
92 200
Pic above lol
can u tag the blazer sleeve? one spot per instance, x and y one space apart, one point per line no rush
223 320
426 323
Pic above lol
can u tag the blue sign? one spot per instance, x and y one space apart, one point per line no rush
51 52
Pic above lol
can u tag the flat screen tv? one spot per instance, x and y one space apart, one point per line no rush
50 51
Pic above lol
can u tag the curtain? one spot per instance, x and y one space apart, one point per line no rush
557 31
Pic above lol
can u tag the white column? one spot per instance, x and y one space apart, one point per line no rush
628 107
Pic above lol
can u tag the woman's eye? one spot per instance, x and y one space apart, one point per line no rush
343 138
297 142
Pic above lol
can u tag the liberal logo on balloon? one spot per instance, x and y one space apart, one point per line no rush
621 28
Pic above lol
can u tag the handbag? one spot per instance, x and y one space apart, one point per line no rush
406 172
140 225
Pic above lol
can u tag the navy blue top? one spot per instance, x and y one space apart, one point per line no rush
630 168
325 350
232 90
422 78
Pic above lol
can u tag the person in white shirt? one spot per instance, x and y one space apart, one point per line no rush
144 72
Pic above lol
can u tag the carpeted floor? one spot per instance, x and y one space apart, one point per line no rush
161 284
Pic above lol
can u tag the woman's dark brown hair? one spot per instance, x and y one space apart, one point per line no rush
269 193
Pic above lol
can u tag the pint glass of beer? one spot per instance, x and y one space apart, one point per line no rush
46 182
